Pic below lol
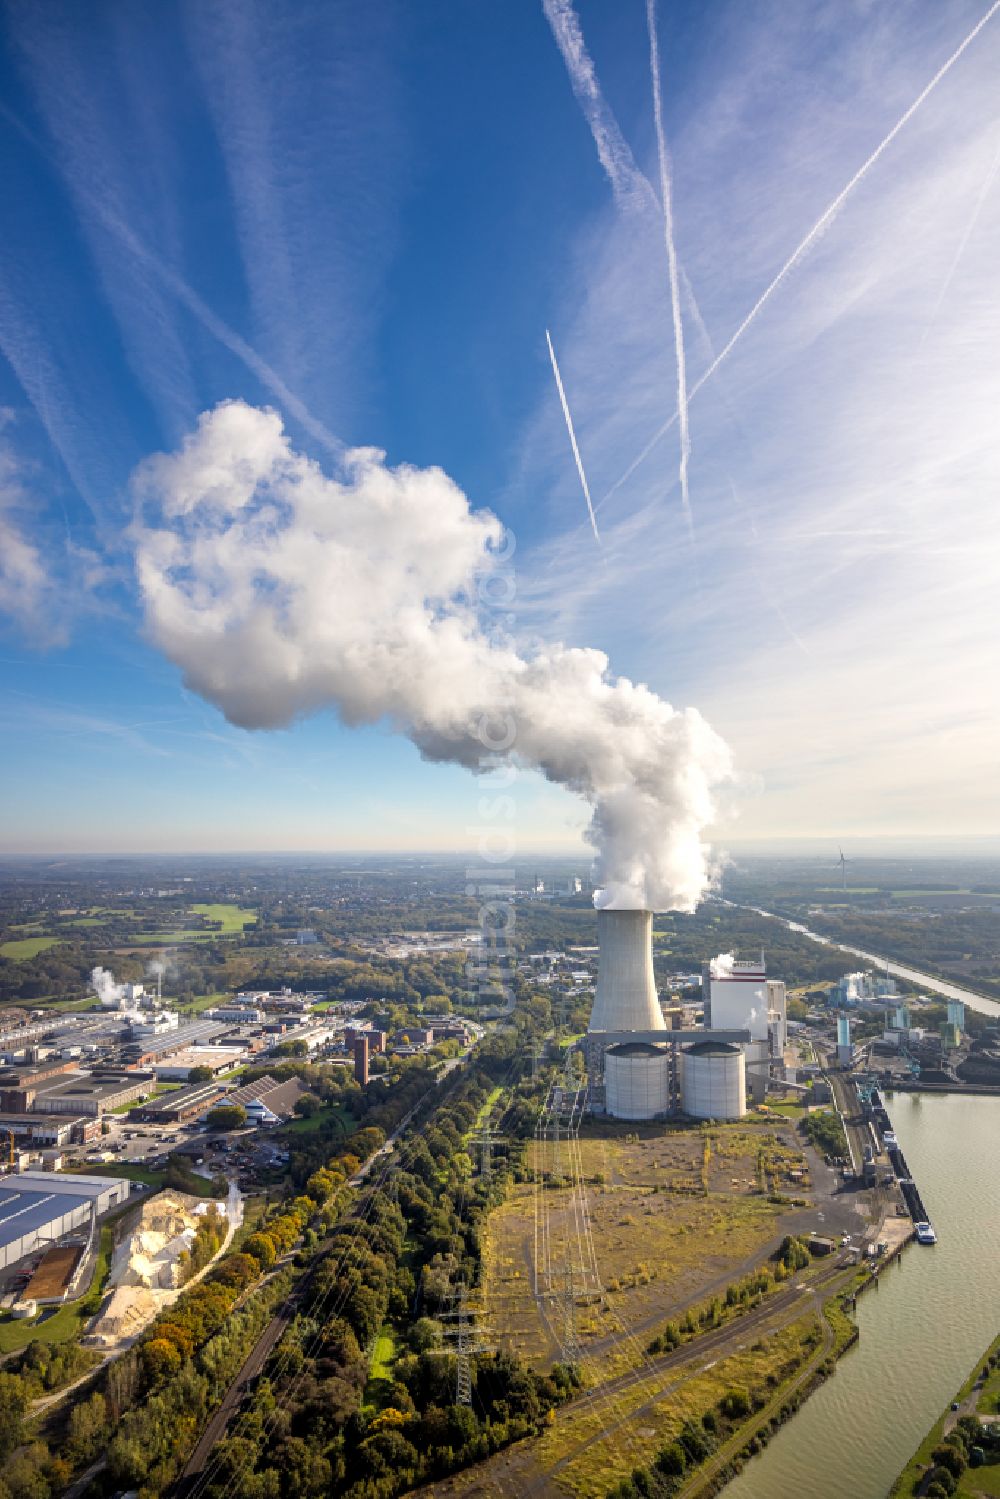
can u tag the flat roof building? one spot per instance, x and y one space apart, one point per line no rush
94 1092
37 1208
182 1104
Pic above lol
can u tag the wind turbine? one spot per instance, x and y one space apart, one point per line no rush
843 869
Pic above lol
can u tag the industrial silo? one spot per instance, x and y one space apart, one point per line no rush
713 1081
636 1081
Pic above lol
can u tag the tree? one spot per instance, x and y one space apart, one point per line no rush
13 1404
162 1359
308 1105
200 1075
227 1116
261 1248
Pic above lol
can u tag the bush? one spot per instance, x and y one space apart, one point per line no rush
227 1116
951 1456
261 1248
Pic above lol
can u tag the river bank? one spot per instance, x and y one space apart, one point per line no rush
918 1336
971 1399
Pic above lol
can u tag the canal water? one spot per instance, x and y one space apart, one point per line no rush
914 976
920 1332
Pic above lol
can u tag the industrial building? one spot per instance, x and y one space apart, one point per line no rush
182 1104
178 1066
51 1129
94 1093
36 1209
638 1067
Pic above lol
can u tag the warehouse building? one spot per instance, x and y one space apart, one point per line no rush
94 1093
37 1209
50 1129
181 1105
216 1058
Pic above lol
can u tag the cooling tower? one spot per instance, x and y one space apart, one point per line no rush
626 992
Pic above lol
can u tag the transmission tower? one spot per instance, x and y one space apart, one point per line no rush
463 1368
570 1342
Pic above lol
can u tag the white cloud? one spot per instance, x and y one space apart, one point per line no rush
281 591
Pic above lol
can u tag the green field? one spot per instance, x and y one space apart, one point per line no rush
198 1003
313 1125
233 918
23 948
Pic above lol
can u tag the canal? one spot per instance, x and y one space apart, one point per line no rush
921 1331
914 976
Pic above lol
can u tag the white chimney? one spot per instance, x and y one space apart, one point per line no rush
626 992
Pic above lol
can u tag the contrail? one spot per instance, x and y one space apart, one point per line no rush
612 148
969 228
817 229
572 437
668 239
188 297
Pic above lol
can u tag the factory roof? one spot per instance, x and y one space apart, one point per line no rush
75 1184
35 1198
24 1212
94 1085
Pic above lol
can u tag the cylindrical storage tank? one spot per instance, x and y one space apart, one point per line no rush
713 1081
636 1081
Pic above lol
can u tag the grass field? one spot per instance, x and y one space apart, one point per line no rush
667 1223
616 1436
383 1355
315 1124
233 918
23 948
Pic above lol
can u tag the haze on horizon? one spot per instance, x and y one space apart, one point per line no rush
191 229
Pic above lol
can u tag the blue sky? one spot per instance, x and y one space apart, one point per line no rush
365 216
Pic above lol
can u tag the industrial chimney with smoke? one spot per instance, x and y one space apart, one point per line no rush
626 990
625 1018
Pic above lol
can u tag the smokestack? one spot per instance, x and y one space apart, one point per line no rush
626 992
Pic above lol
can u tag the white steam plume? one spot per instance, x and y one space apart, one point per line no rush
668 239
280 591
572 436
822 223
102 981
